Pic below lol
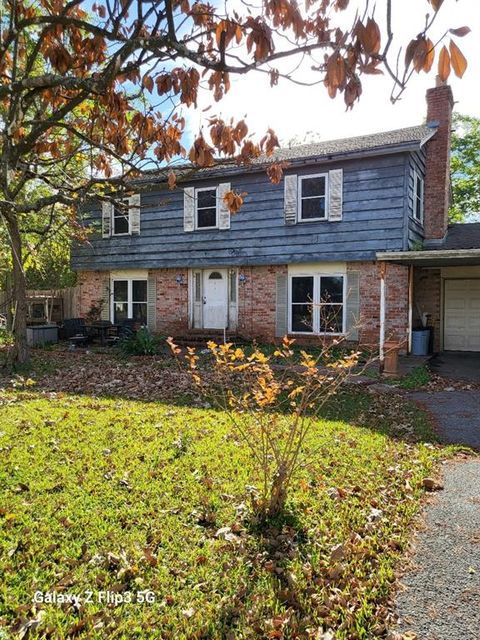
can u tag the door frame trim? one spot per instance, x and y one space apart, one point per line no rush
232 307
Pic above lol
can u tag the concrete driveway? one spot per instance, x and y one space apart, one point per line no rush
457 365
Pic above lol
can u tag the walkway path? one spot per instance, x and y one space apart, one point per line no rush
441 600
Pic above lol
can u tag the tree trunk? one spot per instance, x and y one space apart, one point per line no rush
20 351
278 493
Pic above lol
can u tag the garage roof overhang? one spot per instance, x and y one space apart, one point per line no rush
433 258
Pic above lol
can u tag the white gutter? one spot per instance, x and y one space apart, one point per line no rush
442 254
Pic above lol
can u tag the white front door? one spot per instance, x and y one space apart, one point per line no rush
215 300
462 315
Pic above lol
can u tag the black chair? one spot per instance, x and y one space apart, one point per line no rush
75 331
72 327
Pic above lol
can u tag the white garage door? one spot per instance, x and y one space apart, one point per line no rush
462 315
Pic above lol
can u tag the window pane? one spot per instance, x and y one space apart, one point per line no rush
139 290
120 312
120 219
120 290
198 287
206 199
233 286
313 208
206 218
331 289
313 186
418 209
331 318
302 289
302 317
139 310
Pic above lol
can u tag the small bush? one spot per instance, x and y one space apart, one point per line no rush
418 377
6 337
142 343
271 410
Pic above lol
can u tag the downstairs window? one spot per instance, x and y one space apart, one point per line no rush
317 304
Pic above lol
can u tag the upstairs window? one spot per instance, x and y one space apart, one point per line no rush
312 197
317 304
121 218
206 208
418 189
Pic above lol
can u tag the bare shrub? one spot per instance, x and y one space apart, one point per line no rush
271 406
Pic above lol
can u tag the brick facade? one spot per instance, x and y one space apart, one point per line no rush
172 301
257 301
90 290
427 299
396 299
437 176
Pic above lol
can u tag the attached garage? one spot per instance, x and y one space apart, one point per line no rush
461 330
445 288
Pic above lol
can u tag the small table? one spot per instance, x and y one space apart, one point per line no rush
103 329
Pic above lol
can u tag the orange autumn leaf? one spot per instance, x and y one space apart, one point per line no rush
171 180
444 64
233 201
459 62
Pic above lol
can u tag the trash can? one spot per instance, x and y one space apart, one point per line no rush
420 341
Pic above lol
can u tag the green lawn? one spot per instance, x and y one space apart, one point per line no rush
123 496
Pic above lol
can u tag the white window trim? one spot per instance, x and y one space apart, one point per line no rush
197 190
112 222
316 310
129 281
417 175
299 197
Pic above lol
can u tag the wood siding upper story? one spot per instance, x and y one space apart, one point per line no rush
415 232
375 193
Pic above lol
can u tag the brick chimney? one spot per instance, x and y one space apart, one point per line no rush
437 170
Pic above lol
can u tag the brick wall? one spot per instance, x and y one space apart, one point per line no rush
396 309
257 299
427 295
437 172
172 301
90 289
256 302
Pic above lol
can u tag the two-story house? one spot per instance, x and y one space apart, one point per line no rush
352 243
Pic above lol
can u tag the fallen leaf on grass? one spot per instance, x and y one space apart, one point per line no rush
432 485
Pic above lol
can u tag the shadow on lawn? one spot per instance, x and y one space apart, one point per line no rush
159 379
277 545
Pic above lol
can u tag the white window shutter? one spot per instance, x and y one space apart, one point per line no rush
107 213
353 305
151 303
105 293
335 194
189 209
223 210
134 213
291 199
281 306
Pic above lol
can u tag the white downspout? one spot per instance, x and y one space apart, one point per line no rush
410 307
382 316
